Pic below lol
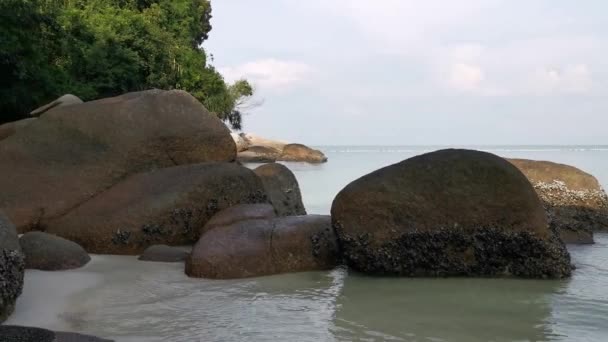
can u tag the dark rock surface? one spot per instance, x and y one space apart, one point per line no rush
240 212
11 267
73 153
164 253
167 206
13 333
282 188
10 128
575 202
263 247
448 213
48 252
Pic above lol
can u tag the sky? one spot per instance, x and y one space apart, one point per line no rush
410 72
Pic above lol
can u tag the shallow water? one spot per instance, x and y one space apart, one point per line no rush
121 298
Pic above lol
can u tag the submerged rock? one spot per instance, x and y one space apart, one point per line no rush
48 252
167 206
302 153
262 247
164 253
73 153
448 213
575 202
65 100
282 188
10 128
11 267
13 333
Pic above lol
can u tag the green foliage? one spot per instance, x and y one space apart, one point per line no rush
101 48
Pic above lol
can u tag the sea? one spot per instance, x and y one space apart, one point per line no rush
121 298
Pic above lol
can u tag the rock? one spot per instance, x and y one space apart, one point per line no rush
575 202
256 140
239 141
282 188
65 100
263 247
164 253
258 154
11 128
11 267
448 213
51 253
302 153
13 333
167 206
73 153
240 212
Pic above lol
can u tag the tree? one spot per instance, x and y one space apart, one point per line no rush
101 48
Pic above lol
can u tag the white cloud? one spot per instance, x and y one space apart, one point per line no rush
269 73
465 77
571 79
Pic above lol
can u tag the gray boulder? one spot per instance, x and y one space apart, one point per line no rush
11 267
49 252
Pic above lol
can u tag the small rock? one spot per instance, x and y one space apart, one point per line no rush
49 252
11 267
65 100
301 153
13 333
282 188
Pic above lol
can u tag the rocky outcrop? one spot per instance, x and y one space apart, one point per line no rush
258 154
240 212
65 100
262 247
167 206
256 140
164 253
73 153
10 128
302 153
51 253
575 202
448 213
255 149
11 267
282 188
13 333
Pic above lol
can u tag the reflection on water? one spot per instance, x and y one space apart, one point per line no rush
129 300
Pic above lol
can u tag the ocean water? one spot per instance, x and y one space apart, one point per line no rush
124 299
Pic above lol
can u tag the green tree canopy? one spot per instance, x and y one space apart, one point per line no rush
101 48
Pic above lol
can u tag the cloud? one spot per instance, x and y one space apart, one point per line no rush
574 79
465 77
270 73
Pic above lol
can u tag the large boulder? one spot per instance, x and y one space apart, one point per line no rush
301 153
51 253
262 247
65 100
258 154
10 128
164 253
282 188
575 202
11 267
448 213
167 206
73 153
14 333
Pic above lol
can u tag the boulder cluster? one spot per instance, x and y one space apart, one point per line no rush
254 149
153 173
